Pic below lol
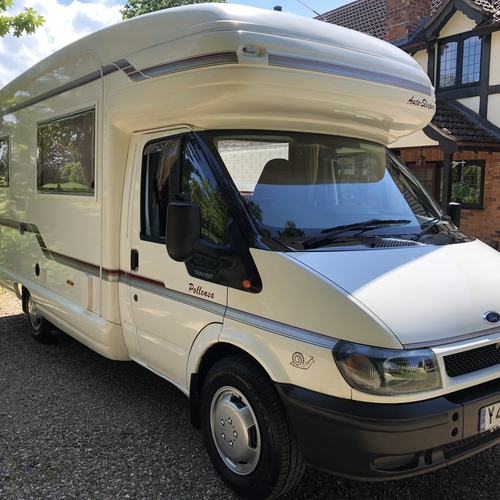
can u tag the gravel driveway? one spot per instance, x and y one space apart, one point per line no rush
74 425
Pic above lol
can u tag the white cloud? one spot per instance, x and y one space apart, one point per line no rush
63 25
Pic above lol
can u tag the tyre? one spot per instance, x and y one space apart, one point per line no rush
247 432
39 327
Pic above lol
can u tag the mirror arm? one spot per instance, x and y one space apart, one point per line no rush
211 250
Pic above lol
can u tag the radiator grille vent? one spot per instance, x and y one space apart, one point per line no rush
473 360
375 242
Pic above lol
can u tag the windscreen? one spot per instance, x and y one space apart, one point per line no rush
303 185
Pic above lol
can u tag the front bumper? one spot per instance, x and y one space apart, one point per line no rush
371 441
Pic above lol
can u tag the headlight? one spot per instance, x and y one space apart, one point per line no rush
386 371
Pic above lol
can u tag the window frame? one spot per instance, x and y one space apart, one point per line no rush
177 181
438 181
174 185
460 40
462 164
72 113
8 157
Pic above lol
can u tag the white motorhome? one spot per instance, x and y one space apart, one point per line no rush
207 191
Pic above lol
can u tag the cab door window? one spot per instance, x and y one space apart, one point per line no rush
175 169
199 186
160 174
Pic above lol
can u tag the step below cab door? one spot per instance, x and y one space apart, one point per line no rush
169 304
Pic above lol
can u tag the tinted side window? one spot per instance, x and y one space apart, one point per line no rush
175 169
199 185
66 155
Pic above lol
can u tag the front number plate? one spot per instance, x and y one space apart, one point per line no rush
489 417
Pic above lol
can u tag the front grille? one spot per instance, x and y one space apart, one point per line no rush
473 360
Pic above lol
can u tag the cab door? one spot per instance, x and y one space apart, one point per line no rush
169 304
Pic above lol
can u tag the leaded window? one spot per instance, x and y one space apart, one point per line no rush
448 65
471 60
459 61
467 183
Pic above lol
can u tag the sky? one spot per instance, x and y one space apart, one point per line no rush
68 20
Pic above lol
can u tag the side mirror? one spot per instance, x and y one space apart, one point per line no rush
183 229
184 238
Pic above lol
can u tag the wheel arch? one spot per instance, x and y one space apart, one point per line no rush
214 353
274 354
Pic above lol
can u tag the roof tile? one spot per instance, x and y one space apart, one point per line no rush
451 118
367 16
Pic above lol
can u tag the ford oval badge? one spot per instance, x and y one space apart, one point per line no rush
491 317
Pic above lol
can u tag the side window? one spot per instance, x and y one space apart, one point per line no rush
160 174
448 64
66 155
459 61
176 169
471 60
4 162
199 185
467 183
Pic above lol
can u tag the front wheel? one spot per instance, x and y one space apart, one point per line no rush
247 431
39 327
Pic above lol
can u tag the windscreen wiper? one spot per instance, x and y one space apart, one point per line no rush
332 232
430 224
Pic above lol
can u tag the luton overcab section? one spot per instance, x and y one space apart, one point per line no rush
208 191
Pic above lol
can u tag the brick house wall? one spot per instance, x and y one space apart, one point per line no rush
483 224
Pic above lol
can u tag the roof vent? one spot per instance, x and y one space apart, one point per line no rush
279 8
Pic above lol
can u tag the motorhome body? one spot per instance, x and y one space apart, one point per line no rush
301 300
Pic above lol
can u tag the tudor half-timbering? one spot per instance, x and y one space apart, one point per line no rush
458 43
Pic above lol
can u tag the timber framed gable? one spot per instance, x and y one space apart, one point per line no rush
457 42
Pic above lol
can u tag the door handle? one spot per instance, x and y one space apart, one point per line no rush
134 260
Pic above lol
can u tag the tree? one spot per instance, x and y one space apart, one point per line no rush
27 21
134 8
